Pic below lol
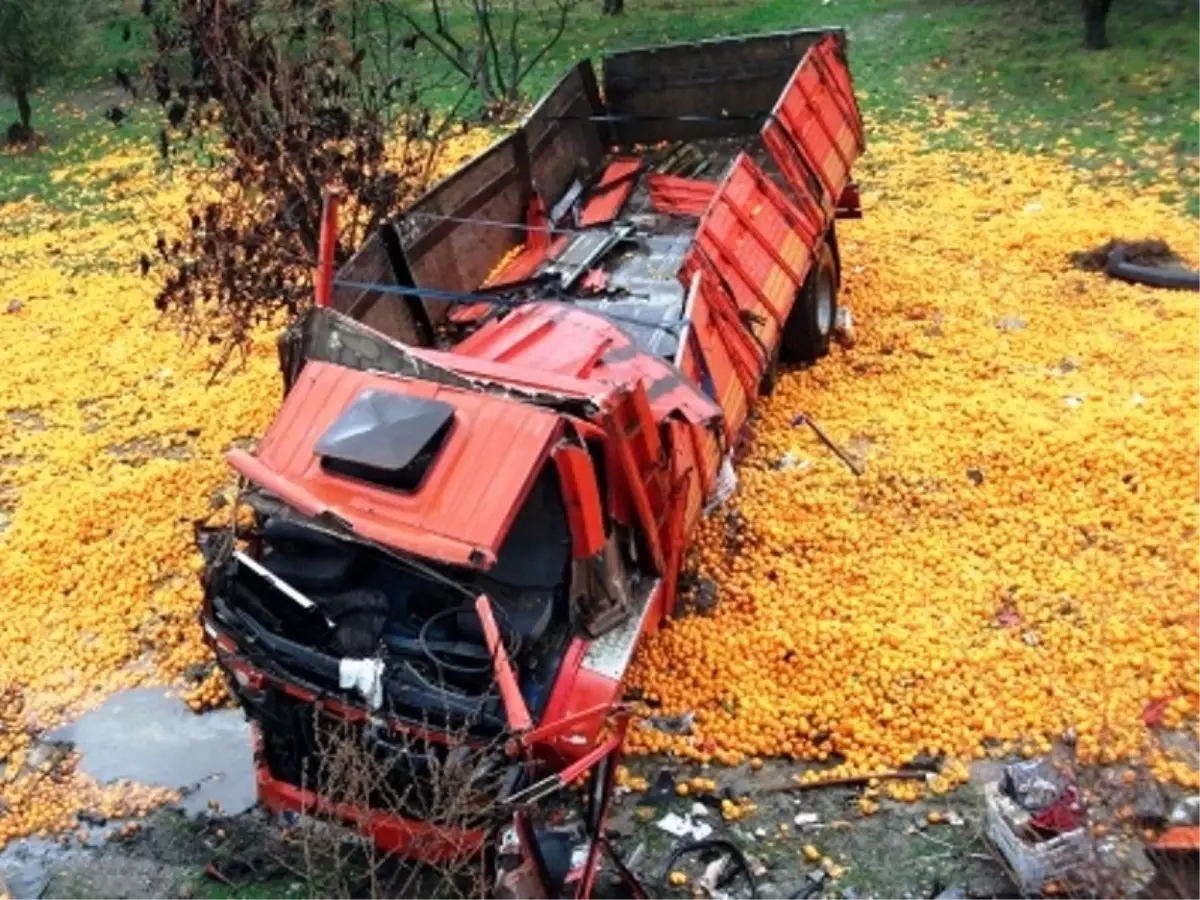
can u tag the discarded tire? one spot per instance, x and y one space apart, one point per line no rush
1172 278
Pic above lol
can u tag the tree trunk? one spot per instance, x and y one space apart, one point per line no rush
24 109
1095 14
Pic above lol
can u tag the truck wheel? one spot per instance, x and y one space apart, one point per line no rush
809 327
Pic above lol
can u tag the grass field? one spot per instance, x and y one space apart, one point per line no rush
1019 65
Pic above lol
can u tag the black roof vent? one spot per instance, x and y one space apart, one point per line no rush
386 439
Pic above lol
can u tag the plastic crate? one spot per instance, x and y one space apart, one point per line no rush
1033 863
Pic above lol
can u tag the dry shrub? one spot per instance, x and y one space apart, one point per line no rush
449 787
275 100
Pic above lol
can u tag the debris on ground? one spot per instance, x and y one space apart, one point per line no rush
1152 252
1149 262
1035 821
684 827
662 788
854 465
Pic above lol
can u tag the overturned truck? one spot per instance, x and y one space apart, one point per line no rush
503 419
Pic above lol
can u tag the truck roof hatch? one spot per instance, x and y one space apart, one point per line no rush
386 438
411 464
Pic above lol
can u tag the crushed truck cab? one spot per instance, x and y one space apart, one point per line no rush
503 421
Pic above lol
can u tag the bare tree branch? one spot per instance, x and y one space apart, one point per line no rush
488 45
565 8
300 95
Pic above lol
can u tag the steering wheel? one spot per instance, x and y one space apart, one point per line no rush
512 644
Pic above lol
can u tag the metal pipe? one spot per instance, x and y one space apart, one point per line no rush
689 305
323 282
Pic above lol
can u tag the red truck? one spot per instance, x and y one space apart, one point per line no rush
503 419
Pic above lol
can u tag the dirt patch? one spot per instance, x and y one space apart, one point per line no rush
8 505
794 839
1153 252
27 419
140 450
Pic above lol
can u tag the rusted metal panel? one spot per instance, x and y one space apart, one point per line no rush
386 313
563 140
741 76
447 253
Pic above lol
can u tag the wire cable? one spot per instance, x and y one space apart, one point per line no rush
460 297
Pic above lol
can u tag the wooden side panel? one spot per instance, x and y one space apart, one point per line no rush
447 253
741 76
560 134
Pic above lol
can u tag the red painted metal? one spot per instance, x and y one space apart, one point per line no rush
610 194
756 245
719 339
432 844
633 436
578 690
510 693
537 221
815 131
849 205
676 196
1179 838
594 282
674 543
581 495
525 264
462 510
661 426
323 281
548 340
564 724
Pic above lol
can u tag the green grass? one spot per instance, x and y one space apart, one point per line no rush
1022 60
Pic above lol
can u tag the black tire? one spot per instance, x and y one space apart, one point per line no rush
1173 278
809 328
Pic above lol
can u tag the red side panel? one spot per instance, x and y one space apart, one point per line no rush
607 198
755 245
720 348
815 131
675 196
581 494
634 442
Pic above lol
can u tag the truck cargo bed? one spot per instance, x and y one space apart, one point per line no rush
685 111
